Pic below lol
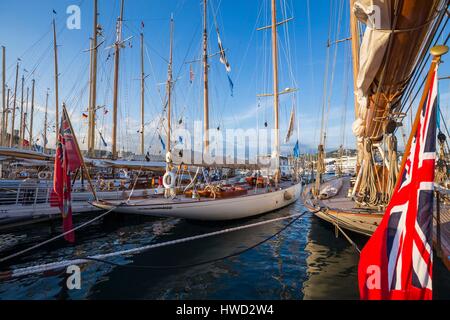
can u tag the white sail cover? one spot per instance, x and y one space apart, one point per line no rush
375 14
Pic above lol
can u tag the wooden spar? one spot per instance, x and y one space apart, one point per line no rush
93 84
205 79
55 50
3 132
142 94
83 164
435 62
355 49
275 89
13 116
46 122
25 116
21 115
7 111
169 86
32 112
117 46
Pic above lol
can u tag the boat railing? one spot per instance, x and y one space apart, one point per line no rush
32 193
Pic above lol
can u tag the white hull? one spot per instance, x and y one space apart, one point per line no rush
210 209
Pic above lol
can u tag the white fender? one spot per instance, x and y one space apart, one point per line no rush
169 157
166 184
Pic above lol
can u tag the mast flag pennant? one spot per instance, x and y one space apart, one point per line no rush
191 74
67 161
223 58
297 150
397 261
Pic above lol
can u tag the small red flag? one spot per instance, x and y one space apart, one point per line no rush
67 161
191 74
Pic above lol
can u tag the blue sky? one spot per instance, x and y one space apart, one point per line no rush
26 33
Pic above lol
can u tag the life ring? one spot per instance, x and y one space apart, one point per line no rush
167 175
43 175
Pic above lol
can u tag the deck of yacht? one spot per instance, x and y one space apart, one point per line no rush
341 202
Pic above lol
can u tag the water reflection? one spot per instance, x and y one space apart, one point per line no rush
305 261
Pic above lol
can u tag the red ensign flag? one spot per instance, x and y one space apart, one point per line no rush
67 161
397 261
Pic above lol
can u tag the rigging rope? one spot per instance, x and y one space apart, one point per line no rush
54 238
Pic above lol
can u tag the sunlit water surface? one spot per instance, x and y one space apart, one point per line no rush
305 261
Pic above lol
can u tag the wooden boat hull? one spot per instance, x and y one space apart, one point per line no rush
362 223
340 210
211 209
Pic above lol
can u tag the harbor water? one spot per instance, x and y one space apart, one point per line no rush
304 261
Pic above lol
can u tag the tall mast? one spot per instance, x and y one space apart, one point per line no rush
355 49
354 32
142 93
169 86
25 116
6 117
46 122
21 115
3 132
32 112
205 78
275 88
93 84
13 116
55 50
117 46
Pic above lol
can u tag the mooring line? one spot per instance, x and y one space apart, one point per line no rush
54 238
19 272
183 266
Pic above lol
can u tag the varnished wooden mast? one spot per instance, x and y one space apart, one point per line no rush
21 114
142 94
355 49
205 78
25 116
6 117
3 132
169 87
275 89
93 84
46 121
13 116
117 46
55 50
32 112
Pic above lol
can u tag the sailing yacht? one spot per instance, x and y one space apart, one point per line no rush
403 36
225 202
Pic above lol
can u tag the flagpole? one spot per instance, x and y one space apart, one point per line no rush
436 52
79 151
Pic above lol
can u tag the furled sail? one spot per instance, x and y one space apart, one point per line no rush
290 130
388 55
